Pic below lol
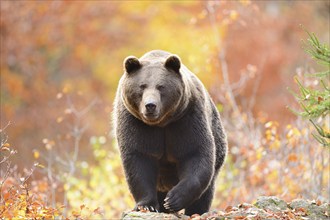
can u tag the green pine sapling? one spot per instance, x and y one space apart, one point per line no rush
315 102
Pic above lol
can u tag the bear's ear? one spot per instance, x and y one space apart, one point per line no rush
131 64
173 63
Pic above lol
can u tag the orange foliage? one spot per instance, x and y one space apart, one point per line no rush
58 56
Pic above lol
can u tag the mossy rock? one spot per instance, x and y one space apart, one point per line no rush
311 208
271 203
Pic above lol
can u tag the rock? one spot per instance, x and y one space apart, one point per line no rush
271 203
266 208
133 215
311 209
326 207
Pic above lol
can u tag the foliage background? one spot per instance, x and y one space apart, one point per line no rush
61 62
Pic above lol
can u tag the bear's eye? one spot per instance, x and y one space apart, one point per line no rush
160 87
143 86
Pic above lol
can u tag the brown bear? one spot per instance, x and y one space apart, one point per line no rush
169 133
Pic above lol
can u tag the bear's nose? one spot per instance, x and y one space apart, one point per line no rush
150 107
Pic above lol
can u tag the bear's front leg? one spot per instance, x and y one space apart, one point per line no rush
141 174
195 175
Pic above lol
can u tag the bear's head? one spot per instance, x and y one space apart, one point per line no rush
152 90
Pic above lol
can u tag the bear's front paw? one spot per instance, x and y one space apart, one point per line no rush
145 208
174 201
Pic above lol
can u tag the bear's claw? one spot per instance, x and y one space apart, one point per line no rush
173 203
145 208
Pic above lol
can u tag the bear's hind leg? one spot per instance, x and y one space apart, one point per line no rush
203 204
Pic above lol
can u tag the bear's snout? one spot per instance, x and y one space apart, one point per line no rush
150 107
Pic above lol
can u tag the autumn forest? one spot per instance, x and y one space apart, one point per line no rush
60 66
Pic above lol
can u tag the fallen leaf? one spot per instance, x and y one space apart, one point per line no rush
97 211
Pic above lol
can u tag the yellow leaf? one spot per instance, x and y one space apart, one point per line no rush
76 214
6 145
245 2
268 124
40 165
59 119
67 89
36 154
233 15
275 145
259 154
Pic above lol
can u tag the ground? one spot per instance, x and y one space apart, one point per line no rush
265 208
